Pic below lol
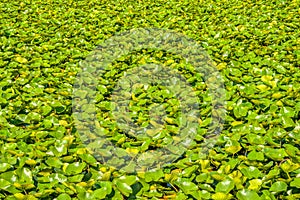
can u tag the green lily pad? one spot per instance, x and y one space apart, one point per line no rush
247 195
295 183
74 168
225 186
278 186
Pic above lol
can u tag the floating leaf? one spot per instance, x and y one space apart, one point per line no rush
186 185
247 195
225 186
21 59
278 186
295 183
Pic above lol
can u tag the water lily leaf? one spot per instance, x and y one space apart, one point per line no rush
241 109
267 195
275 154
255 139
25 175
4 167
251 172
153 175
74 168
255 184
278 186
273 173
186 185
76 178
288 166
233 147
206 187
220 196
88 159
100 193
64 196
205 194
247 195
295 183
46 110
124 188
287 122
291 150
21 59
225 186
254 155
202 177
4 184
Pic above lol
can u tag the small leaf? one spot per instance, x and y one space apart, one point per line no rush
74 168
225 186
186 185
219 196
4 167
247 195
295 183
124 188
255 184
251 172
278 186
275 154
287 122
20 59
64 197
254 155
4 184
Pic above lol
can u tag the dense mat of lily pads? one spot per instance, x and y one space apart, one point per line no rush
254 44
